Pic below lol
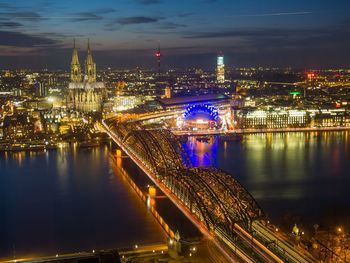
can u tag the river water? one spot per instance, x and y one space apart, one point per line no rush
296 177
69 200
73 199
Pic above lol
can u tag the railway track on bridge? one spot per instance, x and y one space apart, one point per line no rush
216 203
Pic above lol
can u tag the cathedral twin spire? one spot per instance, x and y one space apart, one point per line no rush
90 66
75 70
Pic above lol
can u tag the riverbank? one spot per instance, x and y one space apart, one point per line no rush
252 131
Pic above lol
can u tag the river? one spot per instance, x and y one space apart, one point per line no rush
69 200
72 199
296 177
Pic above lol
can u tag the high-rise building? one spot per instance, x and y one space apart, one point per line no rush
41 89
85 94
220 69
167 93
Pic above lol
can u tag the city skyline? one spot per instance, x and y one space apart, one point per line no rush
218 162
125 34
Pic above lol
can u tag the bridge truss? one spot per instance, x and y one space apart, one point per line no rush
214 196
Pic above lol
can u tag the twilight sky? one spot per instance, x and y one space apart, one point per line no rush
125 33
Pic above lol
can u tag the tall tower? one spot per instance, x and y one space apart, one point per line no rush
75 69
158 56
90 66
220 69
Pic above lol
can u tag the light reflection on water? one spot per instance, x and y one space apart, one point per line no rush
306 174
68 200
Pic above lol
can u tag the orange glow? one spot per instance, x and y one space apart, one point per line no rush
152 191
201 121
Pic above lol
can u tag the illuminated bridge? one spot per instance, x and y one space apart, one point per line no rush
212 199
202 189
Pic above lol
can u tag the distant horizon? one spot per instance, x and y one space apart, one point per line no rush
204 61
154 69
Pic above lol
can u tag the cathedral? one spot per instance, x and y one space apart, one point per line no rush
84 93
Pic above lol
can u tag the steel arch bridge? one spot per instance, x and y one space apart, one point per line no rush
212 195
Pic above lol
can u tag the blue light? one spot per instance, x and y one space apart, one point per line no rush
212 110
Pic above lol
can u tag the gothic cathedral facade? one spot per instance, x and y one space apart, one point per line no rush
84 93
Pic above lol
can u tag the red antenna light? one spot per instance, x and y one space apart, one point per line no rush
158 55
311 75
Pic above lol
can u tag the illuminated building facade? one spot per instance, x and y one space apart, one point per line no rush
220 69
122 103
291 118
198 112
18 126
330 118
265 119
167 93
41 90
85 94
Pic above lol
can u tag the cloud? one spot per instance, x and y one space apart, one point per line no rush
9 24
17 39
23 15
170 25
262 40
275 14
85 16
258 33
148 2
137 20
106 10
236 33
93 15
185 14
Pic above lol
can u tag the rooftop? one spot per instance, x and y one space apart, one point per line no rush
193 99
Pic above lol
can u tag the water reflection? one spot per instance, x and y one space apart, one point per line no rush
202 153
66 201
301 173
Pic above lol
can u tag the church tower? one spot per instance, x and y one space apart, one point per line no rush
90 66
85 95
75 69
